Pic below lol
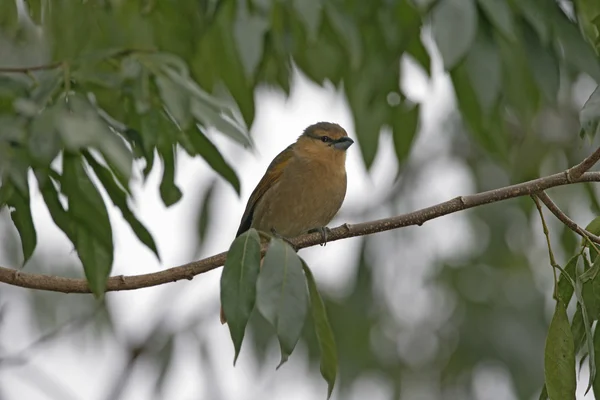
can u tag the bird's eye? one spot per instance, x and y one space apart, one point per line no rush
325 139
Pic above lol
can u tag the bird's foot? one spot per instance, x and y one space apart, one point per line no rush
287 240
324 231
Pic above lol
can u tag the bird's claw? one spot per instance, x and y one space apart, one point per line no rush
324 231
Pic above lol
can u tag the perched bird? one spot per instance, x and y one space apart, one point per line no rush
303 187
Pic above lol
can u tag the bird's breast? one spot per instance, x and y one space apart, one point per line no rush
307 196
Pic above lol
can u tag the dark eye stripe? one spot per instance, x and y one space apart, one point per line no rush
325 139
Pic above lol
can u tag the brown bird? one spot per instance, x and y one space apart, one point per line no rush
304 186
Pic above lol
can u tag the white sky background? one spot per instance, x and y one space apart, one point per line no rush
88 371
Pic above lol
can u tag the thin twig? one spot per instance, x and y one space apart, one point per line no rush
188 271
564 218
20 357
25 70
553 262
575 172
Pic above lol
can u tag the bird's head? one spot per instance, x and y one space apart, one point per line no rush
324 140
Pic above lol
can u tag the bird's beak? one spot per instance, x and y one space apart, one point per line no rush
343 143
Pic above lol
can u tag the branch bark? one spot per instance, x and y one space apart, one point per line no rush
564 218
188 271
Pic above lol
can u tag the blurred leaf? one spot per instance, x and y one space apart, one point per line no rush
164 358
281 295
21 217
249 31
575 50
119 198
81 128
565 287
500 14
204 217
588 15
596 383
92 234
176 100
169 192
44 140
324 333
238 285
213 157
485 70
543 63
538 15
404 130
589 116
559 359
454 29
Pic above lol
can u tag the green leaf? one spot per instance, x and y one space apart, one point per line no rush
21 217
119 198
92 234
323 331
44 141
559 357
204 216
565 288
596 383
81 128
213 157
238 285
281 295
454 29
405 127
176 99
543 63
589 116
578 329
538 15
500 14
485 70
249 31
169 192
208 117
575 50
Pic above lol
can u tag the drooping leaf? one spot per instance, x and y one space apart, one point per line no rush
91 228
501 15
281 294
485 70
559 357
238 285
119 198
169 192
213 157
589 116
21 217
323 331
454 29
565 288
405 130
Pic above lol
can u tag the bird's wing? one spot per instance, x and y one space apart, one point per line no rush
272 175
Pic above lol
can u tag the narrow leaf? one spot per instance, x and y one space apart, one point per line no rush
282 296
238 285
454 29
213 157
323 331
559 359
119 198
21 217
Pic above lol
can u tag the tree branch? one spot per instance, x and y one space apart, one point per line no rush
188 271
575 172
564 218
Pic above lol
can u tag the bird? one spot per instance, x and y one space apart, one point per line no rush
303 187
